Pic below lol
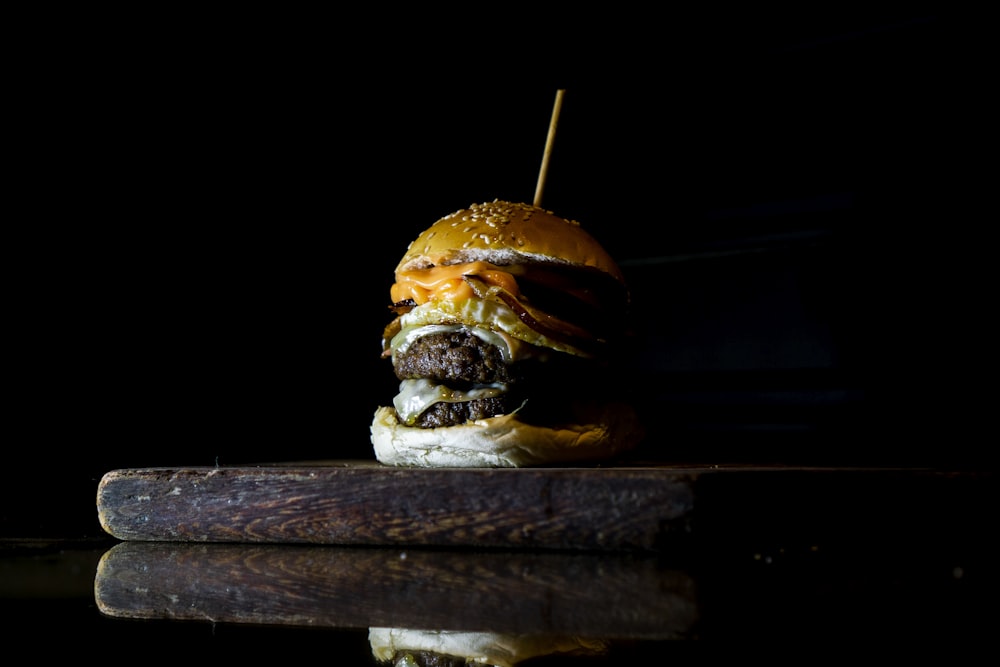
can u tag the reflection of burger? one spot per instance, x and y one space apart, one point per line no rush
509 320
401 647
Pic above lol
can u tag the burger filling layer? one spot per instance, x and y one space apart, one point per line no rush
469 344
570 308
453 373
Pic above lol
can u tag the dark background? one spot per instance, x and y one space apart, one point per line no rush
208 209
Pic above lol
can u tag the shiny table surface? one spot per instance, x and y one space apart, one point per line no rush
929 581
831 558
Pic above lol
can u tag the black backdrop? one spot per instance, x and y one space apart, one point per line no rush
210 209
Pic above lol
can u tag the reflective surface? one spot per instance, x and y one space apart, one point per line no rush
239 597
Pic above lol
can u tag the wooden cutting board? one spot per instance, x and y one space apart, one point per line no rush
646 507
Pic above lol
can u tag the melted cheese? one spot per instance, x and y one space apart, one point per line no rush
481 313
415 396
447 282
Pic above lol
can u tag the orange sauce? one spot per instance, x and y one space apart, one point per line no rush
441 283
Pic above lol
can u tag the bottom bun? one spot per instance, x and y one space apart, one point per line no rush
483 648
506 441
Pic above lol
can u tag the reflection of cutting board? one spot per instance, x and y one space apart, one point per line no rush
633 507
595 594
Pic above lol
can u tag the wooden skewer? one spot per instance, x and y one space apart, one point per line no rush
548 147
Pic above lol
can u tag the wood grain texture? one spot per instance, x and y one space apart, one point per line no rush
598 594
655 507
370 504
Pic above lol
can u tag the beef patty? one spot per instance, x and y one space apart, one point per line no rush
462 360
456 358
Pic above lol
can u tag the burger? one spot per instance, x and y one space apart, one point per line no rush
405 647
507 330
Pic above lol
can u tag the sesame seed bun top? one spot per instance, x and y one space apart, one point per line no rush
506 233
